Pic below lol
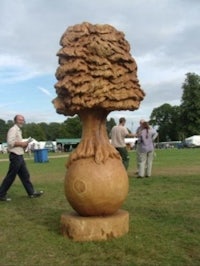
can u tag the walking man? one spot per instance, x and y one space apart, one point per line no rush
16 147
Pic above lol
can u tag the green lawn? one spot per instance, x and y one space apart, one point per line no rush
164 218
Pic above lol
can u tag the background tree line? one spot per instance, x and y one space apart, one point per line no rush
171 122
180 122
70 128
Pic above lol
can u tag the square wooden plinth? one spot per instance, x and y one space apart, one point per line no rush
80 228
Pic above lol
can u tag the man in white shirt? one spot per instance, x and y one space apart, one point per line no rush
16 147
118 135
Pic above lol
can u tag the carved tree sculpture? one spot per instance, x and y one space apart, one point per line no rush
96 75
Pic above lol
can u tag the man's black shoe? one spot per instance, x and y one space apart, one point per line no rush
36 194
5 198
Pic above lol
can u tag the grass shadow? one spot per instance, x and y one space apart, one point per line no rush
43 211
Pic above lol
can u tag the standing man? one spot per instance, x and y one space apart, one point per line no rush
16 147
118 134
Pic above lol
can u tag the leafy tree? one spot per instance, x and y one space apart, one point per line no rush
53 129
110 124
4 127
166 119
190 106
45 129
62 131
9 123
34 130
74 127
3 131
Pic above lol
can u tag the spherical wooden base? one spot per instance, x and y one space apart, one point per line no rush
95 228
96 189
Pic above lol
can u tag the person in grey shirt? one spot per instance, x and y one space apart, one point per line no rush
16 147
139 129
146 139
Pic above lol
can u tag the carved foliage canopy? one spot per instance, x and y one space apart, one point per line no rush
96 70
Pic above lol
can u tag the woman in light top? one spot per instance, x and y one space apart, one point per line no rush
146 138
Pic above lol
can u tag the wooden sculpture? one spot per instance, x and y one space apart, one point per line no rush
96 75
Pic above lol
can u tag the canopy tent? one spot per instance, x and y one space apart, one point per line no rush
67 144
193 141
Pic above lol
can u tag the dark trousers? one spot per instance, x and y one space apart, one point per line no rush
17 167
124 155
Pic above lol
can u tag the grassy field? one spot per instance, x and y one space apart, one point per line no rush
164 218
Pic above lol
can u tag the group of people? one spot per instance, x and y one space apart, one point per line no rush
146 136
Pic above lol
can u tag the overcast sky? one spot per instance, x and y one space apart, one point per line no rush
164 36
